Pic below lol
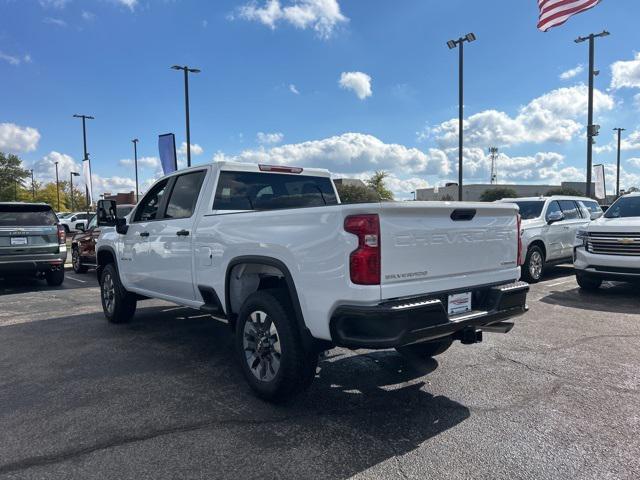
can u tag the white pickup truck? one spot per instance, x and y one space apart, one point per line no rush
271 250
609 248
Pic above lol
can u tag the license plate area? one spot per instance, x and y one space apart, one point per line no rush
458 303
18 241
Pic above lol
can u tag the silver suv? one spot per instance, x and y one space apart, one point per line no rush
549 227
32 242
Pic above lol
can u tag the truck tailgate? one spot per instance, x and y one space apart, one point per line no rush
430 247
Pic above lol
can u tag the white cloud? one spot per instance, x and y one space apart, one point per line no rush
323 16
54 21
130 4
111 184
358 82
54 3
88 16
293 89
44 170
195 149
634 162
205 23
571 73
548 118
269 138
626 73
15 138
349 153
636 100
143 162
11 59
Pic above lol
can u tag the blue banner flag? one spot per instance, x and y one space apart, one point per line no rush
167 149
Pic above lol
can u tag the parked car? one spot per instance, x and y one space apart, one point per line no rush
83 243
609 248
32 242
549 227
74 221
272 251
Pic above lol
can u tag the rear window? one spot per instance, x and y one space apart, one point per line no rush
27 216
530 209
271 191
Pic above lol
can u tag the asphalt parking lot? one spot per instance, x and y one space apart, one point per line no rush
162 397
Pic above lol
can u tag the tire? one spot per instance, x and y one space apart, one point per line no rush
76 261
54 278
272 356
66 229
426 349
588 283
533 268
118 305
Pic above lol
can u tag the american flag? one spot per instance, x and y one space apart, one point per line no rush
556 12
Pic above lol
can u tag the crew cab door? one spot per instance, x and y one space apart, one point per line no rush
554 233
572 222
134 261
170 243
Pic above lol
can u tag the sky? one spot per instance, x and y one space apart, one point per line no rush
353 86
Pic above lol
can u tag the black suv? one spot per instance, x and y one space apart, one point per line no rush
32 242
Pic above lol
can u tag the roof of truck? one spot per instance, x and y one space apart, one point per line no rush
542 198
255 167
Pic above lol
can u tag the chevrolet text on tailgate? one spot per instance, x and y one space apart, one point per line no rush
271 250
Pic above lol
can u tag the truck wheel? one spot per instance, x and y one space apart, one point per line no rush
533 267
118 305
273 358
426 349
76 262
55 277
588 283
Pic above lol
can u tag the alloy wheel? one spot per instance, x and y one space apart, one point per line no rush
535 265
108 293
261 344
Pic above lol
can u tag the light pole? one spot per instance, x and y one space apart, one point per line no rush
469 37
135 161
592 130
619 130
86 154
186 71
33 187
73 174
57 187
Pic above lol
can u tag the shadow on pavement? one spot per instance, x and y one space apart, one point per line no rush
611 297
21 284
553 272
76 386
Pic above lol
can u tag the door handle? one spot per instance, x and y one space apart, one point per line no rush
144 234
182 233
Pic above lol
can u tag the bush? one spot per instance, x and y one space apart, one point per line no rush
571 192
356 194
493 194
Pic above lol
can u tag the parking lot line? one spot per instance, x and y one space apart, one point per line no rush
76 279
559 283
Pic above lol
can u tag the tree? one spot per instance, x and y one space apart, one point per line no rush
571 192
493 194
356 194
376 182
11 176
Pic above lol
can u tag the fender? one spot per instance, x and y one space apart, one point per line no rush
293 293
99 268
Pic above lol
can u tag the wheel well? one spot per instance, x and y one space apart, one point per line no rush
104 258
246 278
540 245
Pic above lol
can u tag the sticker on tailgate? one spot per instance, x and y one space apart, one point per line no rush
459 303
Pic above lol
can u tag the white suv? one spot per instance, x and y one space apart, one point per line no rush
609 248
549 227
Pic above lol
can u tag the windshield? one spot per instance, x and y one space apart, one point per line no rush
530 209
624 207
27 216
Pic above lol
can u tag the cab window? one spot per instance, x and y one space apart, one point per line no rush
148 209
184 195
569 209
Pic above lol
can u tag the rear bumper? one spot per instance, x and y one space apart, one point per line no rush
32 264
402 322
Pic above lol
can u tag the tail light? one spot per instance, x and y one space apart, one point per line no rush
62 235
519 236
364 262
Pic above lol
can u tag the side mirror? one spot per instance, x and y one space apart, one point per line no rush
108 216
596 215
554 217
80 227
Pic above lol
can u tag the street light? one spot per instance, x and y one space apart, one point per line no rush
619 130
135 161
86 154
592 130
57 186
73 174
469 37
186 71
